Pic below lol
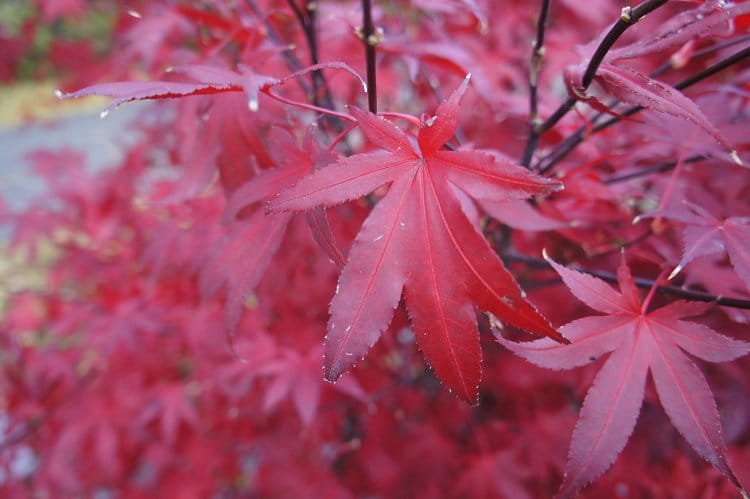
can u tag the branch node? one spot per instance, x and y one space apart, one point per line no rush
626 14
372 40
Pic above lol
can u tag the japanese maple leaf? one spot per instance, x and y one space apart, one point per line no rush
705 234
418 239
639 342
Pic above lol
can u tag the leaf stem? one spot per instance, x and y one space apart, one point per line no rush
406 117
652 291
341 135
309 107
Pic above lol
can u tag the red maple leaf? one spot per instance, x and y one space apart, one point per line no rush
418 238
640 342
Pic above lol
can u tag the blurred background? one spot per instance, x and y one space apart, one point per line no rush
46 46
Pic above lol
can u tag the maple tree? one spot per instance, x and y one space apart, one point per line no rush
323 184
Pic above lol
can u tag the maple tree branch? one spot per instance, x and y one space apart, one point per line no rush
535 66
301 17
370 38
641 282
657 168
619 247
628 17
570 143
308 22
291 60
712 70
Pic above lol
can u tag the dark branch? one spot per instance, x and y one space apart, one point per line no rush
670 64
298 13
308 22
534 68
641 283
291 60
658 168
370 39
712 70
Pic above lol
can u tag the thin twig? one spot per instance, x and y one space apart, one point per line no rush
535 66
640 282
370 39
712 70
291 60
658 168
308 22
619 247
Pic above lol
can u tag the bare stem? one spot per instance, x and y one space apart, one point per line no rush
308 22
370 39
535 66
291 60
657 168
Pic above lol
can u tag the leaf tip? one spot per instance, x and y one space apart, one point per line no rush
59 94
736 158
674 272
330 375
104 114
546 256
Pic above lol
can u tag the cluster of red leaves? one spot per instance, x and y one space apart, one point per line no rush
178 345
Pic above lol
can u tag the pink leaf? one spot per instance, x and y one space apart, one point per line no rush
608 416
635 88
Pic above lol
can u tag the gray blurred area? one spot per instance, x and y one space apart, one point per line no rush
103 141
